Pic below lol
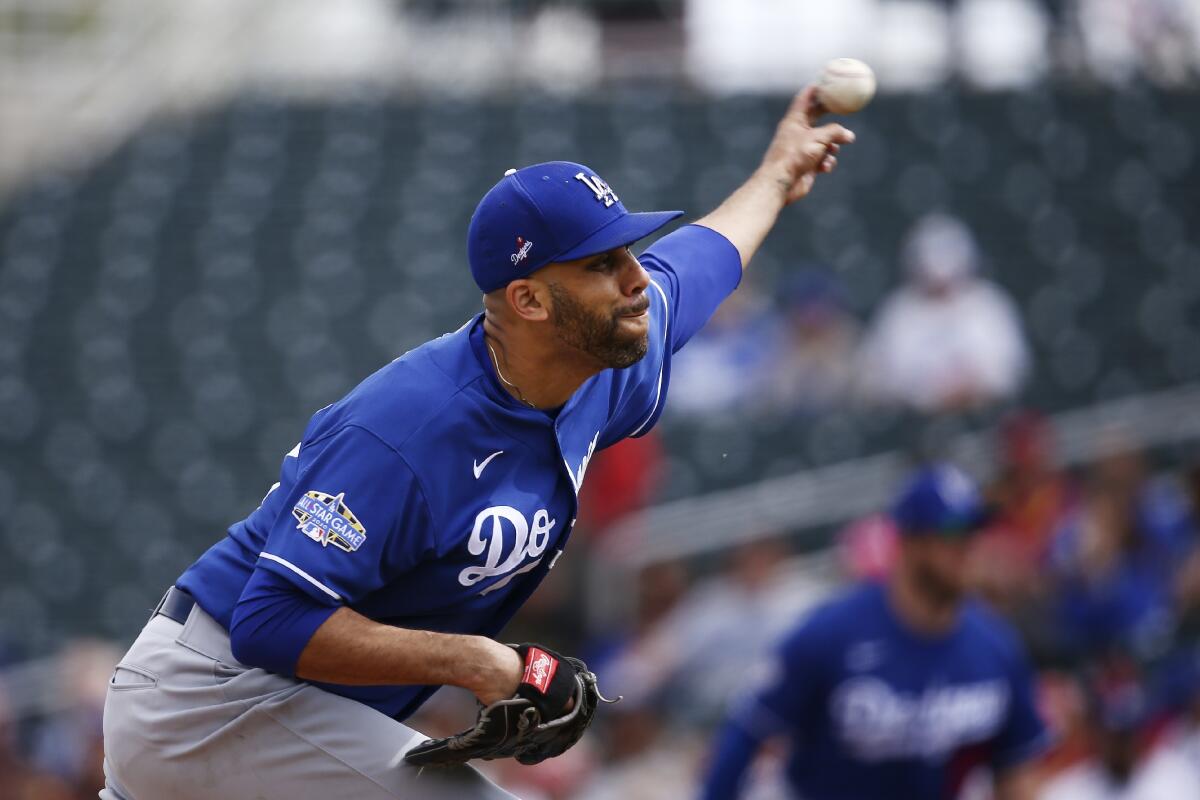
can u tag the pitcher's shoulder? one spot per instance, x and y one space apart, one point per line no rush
406 395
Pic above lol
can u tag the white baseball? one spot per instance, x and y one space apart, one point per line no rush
845 85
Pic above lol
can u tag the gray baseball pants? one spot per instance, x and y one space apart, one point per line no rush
184 720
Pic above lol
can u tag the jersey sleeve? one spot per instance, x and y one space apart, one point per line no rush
696 268
353 516
1023 735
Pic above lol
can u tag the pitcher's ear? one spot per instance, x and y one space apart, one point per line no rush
529 299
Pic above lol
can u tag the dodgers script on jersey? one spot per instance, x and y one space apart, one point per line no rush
430 498
875 710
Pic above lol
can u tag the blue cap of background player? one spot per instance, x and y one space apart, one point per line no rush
556 211
940 499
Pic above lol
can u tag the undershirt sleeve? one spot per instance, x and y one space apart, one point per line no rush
273 622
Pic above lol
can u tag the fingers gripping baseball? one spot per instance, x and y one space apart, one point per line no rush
799 151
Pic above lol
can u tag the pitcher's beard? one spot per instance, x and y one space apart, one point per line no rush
597 335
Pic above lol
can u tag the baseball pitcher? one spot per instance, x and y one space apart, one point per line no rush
419 512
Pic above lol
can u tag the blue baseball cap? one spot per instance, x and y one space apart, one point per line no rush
556 211
940 498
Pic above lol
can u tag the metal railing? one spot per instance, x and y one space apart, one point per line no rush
714 522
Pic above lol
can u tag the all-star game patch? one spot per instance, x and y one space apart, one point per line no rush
325 518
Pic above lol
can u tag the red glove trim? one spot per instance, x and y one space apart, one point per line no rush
540 667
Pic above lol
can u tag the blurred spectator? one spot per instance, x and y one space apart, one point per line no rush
1179 750
1115 559
559 778
868 547
16 778
699 651
645 760
660 587
724 365
1156 39
1030 497
1124 764
1030 494
70 744
947 340
20 779
815 362
1063 706
1115 710
1187 580
639 758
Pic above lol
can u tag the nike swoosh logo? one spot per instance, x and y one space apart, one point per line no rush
480 467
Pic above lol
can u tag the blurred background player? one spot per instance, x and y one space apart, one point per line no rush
900 689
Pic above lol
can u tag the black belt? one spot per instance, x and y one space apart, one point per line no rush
175 605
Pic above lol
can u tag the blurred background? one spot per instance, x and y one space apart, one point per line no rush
199 200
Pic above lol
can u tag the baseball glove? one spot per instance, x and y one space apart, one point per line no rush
530 726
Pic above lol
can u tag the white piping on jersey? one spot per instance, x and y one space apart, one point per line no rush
577 480
293 453
575 483
571 475
301 573
666 344
507 578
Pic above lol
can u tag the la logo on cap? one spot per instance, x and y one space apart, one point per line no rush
602 190
556 211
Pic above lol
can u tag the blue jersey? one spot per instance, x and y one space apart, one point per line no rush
429 498
875 710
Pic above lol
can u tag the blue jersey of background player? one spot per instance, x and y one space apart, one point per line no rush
896 690
417 514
